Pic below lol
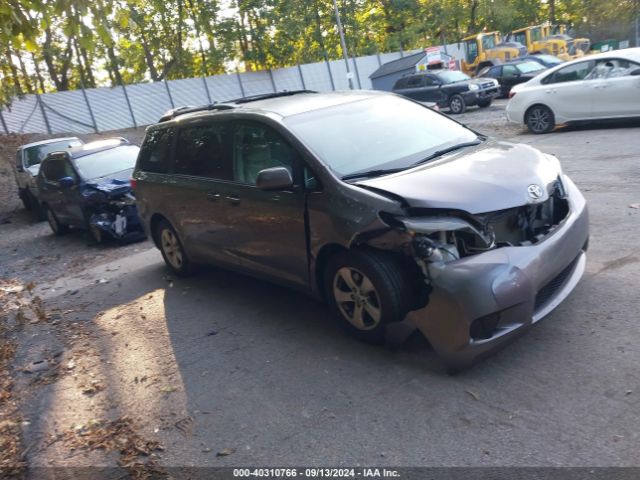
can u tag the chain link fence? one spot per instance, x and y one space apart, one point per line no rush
113 108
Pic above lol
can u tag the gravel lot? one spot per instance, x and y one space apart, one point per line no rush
225 370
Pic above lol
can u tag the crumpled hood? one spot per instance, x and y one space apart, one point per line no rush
113 185
491 177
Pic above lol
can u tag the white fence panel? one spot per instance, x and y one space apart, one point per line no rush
366 66
256 83
68 112
190 91
224 87
148 101
110 108
24 115
316 76
339 72
287 79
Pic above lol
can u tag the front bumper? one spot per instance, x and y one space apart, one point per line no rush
476 96
515 286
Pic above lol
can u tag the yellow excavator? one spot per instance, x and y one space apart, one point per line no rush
486 48
576 47
551 39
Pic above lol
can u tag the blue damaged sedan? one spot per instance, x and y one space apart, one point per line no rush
88 188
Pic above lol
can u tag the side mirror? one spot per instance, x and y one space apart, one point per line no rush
66 182
276 178
635 73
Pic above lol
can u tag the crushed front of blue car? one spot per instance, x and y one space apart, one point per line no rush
110 207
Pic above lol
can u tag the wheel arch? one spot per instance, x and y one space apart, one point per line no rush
155 219
320 264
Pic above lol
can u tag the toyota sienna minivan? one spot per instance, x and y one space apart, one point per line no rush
392 213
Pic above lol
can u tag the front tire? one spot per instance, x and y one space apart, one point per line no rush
457 105
26 200
540 119
484 103
172 250
56 227
367 290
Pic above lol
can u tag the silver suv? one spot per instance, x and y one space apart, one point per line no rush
27 165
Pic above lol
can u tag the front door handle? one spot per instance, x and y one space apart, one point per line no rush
233 200
213 197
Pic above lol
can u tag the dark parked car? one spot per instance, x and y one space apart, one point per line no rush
396 215
448 89
88 188
543 59
511 74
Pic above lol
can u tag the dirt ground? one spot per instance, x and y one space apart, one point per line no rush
108 361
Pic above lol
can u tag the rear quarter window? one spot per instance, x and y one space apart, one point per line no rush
156 153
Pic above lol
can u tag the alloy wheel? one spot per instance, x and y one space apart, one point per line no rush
357 298
171 248
539 120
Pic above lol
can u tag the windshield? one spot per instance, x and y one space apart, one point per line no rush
529 67
453 76
382 132
107 162
35 155
488 42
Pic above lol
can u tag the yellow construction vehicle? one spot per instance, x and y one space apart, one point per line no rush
486 48
576 47
551 39
538 39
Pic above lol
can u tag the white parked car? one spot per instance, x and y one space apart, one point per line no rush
602 86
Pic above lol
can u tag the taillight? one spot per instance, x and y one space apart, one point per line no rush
133 182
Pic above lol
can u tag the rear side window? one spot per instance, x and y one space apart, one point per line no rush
400 83
417 81
155 154
570 73
205 151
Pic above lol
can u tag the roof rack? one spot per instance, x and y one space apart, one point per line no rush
176 112
265 96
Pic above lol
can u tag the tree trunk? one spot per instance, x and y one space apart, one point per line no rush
14 72
472 17
25 75
36 66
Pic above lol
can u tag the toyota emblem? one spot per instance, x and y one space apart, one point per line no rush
535 191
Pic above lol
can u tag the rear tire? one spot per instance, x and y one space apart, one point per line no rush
367 290
172 250
540 119
56 227
457 105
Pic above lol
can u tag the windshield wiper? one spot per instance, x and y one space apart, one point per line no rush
372 173
452 148
379 172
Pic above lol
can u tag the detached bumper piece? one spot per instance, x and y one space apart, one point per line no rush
122 225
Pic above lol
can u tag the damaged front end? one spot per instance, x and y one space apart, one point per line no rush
443 236
487 276
111 210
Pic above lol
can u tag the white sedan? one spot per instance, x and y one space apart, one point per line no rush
602 86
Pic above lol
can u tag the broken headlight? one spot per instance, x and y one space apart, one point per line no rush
444 239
